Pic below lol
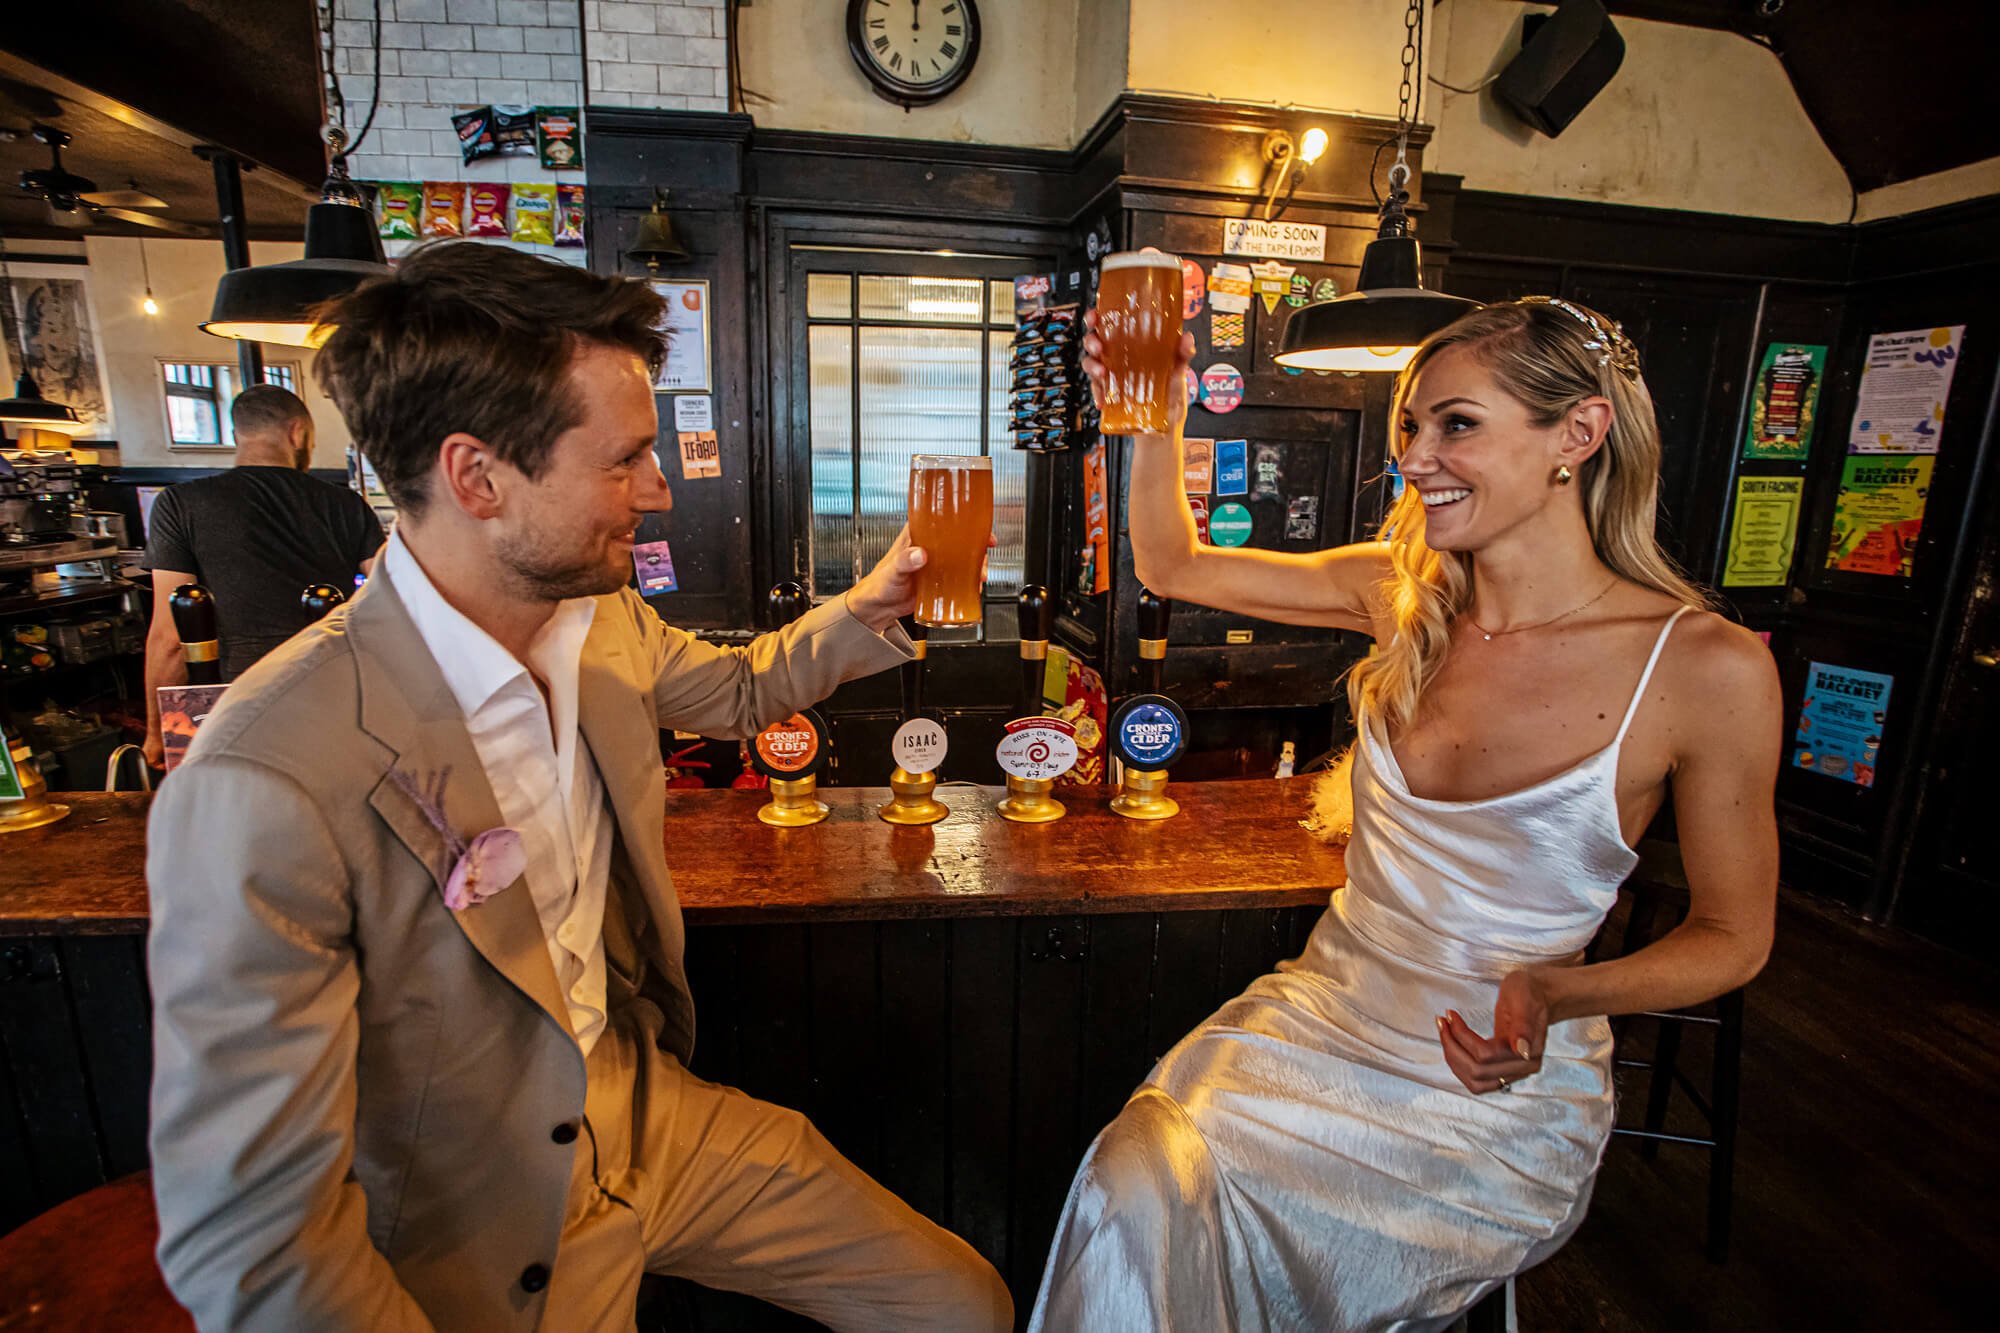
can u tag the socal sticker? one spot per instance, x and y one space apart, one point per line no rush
1221 387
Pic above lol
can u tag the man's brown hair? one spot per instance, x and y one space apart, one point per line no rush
475 338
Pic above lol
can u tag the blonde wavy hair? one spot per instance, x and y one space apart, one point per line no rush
1550 357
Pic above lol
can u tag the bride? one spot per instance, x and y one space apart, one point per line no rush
1413 1110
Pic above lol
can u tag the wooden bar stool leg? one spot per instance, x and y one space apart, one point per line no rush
1725 1092
1660 1085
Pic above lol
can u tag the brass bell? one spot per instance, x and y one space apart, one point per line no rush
656 243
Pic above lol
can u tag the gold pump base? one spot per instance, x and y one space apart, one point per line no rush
913 801
794 803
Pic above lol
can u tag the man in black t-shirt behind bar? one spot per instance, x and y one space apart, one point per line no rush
256 536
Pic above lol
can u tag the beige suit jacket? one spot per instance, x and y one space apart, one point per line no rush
355 1089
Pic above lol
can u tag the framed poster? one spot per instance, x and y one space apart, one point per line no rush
49 310
1784 402
1904 384
1762 531
1840 722
686 369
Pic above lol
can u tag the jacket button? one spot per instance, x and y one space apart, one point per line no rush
534 1277
565 1132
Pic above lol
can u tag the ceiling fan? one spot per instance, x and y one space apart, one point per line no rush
75 201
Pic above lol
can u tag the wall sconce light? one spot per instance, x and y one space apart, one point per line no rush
656 243
1287 160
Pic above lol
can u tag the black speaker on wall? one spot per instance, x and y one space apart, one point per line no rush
1566 59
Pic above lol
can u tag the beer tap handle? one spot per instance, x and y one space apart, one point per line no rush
1154 611
193 608
913 670
320 598
1037 614
789 600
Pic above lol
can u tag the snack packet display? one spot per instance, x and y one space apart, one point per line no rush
397 207
488 209
444 208
559 135
535 214
569 215
514 131
475 133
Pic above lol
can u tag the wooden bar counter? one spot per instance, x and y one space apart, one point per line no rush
1234 845
959 1008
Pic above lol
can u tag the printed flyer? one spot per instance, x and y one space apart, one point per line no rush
1762 532
1904 383
1785 402
1840 722
1879 514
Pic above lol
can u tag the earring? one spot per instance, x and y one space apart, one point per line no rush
1563 475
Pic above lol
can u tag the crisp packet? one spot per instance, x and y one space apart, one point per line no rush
444 208
560 137
475 133
488 208
397 205
569 215
514 131
535 214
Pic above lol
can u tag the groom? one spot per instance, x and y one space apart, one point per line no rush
420 1021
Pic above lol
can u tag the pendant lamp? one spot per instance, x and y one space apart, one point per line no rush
1379 325
272 303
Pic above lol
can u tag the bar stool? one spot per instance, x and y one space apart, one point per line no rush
88 1263
1661 883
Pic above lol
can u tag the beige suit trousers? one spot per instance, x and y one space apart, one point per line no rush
703 1182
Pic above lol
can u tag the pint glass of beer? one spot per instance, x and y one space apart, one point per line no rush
951 516
1139 322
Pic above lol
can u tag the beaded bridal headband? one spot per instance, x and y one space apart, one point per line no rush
1612 348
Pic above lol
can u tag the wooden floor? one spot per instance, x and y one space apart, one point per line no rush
1868 1172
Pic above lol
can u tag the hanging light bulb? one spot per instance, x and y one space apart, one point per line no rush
149 305
1379 325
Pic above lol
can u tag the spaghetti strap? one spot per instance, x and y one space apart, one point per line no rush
1646 676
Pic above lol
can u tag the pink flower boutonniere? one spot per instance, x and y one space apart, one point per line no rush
489 863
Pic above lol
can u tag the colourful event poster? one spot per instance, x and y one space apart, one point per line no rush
1785 402
1879 514
1840 722
1762 532
1899 406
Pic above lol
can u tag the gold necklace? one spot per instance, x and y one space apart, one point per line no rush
1521 629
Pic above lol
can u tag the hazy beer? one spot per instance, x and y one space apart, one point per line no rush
1139 322
951 516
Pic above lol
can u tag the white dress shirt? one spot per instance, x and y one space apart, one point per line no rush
542 774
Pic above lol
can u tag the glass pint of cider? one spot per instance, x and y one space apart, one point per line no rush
1139 322
951 516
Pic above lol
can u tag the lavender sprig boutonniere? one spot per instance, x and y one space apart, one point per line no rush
481 868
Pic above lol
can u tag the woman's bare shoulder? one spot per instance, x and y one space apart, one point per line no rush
1719 677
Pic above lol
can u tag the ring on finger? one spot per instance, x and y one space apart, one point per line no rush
1503 1085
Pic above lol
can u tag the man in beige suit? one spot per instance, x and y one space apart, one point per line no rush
410 1077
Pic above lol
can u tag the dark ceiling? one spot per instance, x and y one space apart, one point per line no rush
138 84
1896 88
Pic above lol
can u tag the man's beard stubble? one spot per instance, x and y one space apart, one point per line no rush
543 576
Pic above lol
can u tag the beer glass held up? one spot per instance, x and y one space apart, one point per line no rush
951 517
1139 322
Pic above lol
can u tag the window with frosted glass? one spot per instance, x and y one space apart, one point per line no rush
901 364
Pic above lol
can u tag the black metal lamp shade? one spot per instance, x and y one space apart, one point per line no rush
272 303
28 408
1378 326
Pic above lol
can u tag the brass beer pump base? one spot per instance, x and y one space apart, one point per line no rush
1028 801
793 803
913 802
33 809
1144 796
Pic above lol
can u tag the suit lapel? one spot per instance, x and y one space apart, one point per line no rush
406 705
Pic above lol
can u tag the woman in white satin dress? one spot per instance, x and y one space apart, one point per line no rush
1413 1110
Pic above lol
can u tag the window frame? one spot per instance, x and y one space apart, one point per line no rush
826 255
226 441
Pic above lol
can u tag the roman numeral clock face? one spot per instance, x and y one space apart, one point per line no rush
913 51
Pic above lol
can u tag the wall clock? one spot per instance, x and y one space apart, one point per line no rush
913 52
